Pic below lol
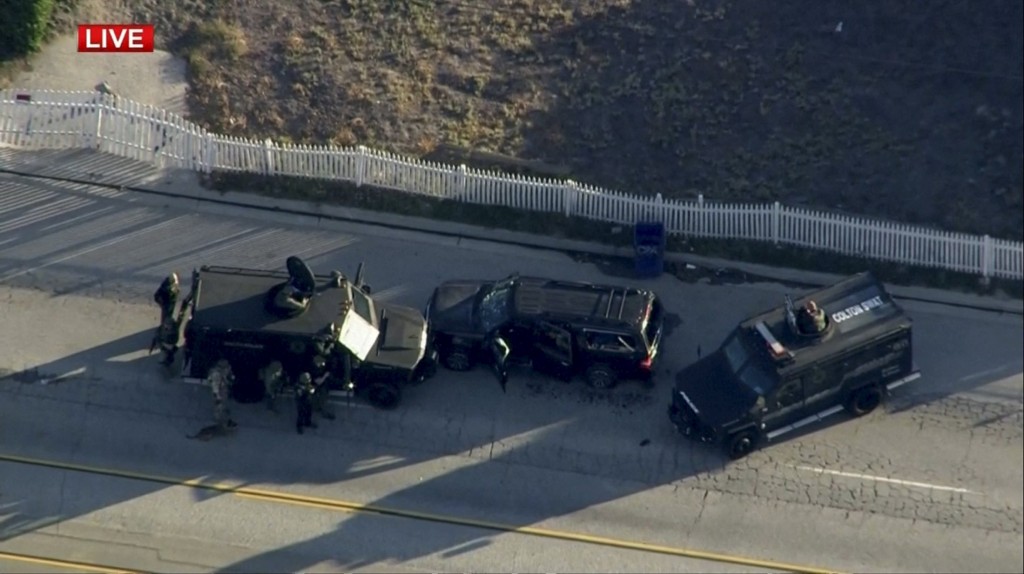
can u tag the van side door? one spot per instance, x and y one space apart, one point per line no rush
785 405
822 387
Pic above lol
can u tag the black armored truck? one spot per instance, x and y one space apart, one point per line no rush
253 317
841 348
600 332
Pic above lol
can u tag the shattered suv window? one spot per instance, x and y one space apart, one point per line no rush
494 306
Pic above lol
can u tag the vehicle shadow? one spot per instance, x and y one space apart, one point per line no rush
114 359
500 439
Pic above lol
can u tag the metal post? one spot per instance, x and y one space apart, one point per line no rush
360 166
569 191
776 216
986 257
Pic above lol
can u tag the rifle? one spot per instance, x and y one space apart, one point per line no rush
790 313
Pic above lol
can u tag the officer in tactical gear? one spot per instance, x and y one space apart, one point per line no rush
812 319
166 296
326 344
220 379
337 278
168 335
273 379
304 391
321 394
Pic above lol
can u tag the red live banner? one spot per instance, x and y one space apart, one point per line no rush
115 38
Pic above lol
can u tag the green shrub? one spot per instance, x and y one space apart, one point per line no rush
23 26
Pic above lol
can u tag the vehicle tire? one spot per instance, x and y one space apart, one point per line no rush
741 444
458 359
601 377
864 400
384 396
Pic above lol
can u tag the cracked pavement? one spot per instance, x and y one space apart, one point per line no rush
945 453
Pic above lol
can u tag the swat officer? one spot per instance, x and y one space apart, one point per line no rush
220 379
326 343
304 391
166 296
812 319
272 377
337 278
321 394
168 336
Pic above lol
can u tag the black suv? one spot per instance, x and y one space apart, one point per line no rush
603 333
778 372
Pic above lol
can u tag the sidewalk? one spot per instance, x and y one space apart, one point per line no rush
89 167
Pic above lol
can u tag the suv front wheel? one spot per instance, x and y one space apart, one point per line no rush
601 377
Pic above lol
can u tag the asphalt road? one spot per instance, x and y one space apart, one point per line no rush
931 484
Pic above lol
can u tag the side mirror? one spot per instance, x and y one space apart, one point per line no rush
760 405
500 352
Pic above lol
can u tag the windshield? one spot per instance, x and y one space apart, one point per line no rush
747 369
756 378
494 305
363 306
735 354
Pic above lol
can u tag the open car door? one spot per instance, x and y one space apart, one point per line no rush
500 352
552 350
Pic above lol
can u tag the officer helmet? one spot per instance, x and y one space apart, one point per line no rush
305 378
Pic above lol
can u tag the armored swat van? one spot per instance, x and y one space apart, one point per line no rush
252 317
779 371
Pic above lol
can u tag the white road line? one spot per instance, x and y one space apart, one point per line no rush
82 252
66 222
870 477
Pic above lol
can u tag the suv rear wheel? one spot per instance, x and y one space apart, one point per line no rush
458 359
601 377
864 400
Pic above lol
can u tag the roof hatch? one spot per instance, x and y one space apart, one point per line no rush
776 349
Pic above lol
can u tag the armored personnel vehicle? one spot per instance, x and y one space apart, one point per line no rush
777 372
252 317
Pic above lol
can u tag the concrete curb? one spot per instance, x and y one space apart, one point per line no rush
298 212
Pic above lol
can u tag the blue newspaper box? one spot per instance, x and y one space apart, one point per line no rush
649 248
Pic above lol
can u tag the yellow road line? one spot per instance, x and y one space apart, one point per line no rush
335 504
25 558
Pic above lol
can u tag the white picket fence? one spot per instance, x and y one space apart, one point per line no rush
61 120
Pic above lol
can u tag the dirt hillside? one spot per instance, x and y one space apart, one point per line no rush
901 109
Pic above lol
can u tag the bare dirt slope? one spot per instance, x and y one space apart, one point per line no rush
908 111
